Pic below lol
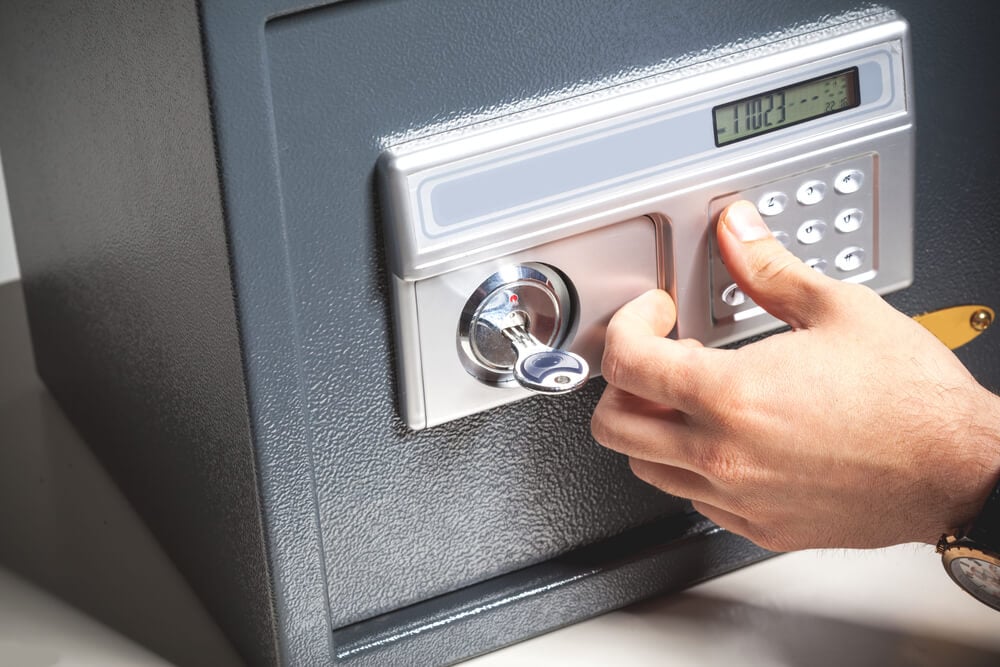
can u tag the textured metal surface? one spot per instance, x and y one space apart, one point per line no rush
958 157
590 581
444 509
362 516
107 145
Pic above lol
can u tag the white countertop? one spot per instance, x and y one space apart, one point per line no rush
113 598
819 608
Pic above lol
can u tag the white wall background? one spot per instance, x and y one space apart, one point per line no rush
8 260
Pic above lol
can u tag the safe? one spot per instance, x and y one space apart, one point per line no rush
324 284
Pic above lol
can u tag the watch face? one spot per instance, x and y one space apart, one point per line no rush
979 577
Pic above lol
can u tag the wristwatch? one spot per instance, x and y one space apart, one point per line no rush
972 557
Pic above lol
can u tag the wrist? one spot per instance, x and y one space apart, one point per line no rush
971 554
979 460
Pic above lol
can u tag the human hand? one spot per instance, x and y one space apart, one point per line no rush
858 428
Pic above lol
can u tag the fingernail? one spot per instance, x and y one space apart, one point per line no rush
745 223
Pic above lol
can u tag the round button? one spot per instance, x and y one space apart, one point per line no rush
849 220
734 296
772 203
850 259
817 264
811 192
811 231
849 181
783 237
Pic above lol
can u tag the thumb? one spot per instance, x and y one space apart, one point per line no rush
767 272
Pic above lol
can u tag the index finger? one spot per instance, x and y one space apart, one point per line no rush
640 360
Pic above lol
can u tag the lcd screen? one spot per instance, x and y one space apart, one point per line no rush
784 107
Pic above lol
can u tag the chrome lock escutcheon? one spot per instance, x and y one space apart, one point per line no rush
512 327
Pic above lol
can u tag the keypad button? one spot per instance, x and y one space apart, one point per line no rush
850 259
849 220
811 231
811 192
783 237
817 264
849 181
772 203
734 296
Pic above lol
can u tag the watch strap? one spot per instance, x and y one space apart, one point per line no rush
985 528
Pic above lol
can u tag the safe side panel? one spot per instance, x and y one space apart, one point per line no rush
107 141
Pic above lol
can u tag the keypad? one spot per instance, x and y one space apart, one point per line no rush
772 203
817 264
849 181
810 232
849 220
733 296
850 259
824 216
811 192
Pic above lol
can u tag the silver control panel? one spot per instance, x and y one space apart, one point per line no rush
511 244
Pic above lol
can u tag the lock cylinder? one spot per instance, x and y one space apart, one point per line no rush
515 320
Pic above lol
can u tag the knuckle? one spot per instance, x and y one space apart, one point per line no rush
770 266
725 467
641 469
736 407
601 425
688 374
730 401
635 466
617 362
746 505
771 538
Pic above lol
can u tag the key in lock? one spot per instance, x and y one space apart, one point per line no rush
512 326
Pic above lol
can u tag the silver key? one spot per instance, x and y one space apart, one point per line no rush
539 367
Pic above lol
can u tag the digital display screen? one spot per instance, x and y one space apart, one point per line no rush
784 107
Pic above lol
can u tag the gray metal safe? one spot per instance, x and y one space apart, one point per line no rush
201 233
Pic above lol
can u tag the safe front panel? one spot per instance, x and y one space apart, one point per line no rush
310 508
